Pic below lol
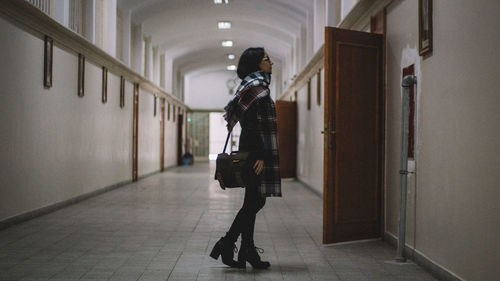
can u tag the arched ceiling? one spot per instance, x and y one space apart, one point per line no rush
186 30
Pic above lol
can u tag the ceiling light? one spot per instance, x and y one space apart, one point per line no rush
224 25
231 56
227 43
221 1
231 67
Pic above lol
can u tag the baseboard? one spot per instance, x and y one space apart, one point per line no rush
419 258
319 194
352 242
59 205
150 174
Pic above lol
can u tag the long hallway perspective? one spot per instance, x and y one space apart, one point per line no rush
373 127
163 228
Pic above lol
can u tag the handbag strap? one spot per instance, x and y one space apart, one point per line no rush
227 139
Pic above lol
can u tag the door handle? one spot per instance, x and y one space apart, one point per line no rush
331 132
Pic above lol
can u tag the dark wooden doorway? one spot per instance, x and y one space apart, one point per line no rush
353 132
135 140
180 120
286 112
162 136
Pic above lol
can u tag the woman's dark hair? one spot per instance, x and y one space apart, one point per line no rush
250 61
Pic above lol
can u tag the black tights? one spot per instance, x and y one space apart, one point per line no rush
244 222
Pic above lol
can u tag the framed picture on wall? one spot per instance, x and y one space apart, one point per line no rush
48 61
81 75
424 27
122 92
104 84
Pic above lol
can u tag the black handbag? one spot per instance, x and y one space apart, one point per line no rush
232 169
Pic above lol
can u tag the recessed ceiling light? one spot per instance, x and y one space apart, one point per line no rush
224 25
231 56
227 43
231 67
221 1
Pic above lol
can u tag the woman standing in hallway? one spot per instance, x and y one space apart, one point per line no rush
253 107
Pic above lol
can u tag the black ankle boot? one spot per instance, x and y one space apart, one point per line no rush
248 253
226 249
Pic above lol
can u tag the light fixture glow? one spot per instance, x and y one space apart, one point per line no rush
231 56
231 67
227 43
221 1
224 25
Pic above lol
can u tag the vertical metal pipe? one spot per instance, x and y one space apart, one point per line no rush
408 80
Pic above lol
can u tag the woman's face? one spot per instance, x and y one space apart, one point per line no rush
266 64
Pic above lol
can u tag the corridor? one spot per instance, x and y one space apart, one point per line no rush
382 120
164 226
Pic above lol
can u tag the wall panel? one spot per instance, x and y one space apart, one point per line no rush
56 146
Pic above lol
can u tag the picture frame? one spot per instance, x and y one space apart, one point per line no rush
122 92
154 105
48 62
104 85
81 75
424 27
318 88
309 94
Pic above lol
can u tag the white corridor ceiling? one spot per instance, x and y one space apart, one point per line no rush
186 30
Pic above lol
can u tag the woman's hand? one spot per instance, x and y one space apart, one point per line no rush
258 166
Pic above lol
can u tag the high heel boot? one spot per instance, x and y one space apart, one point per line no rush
226 249
248 253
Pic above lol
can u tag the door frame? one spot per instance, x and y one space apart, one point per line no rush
378 24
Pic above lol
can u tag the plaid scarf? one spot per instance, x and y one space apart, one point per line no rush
255 89
237 106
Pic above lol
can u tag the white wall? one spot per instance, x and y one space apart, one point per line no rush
319 24
110 27
218 134
149 133
346 6
310 140
332 11
208 91
454 211
170 137
137 55
56 145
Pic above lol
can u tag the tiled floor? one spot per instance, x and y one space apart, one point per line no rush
164 226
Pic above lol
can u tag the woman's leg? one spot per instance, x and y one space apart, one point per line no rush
255 203
244 222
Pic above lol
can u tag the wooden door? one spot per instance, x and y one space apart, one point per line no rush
179 139
162 136
353 130
286 112
135 142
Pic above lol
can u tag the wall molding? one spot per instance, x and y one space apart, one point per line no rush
419 258
29 18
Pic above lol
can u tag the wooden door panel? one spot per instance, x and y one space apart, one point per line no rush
162 136
355 160
286 112
352 158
